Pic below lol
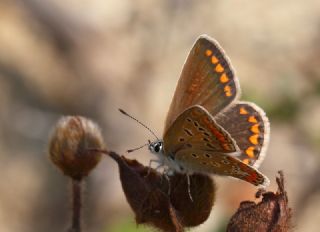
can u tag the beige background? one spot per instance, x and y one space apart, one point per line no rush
92 57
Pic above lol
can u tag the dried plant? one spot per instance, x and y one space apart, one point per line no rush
69 151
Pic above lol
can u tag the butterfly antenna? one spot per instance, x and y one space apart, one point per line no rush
134 149
125 113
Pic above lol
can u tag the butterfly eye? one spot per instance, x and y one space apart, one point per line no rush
157 147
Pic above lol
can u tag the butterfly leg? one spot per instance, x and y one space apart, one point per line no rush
160 164
166 172
155 161
169 185
189 185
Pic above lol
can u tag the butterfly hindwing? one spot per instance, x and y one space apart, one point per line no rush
195 128
193 160
207 79
249 127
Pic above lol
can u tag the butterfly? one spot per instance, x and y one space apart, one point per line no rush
207 129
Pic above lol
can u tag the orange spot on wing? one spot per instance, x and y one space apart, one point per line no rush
243 110
226 146
252 119
254 139
224 78
227 90
253 176
193 89
245 167
218 134
255 128
214 60
219 68
208 52
245 161
250 152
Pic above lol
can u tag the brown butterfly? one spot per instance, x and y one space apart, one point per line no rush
207 129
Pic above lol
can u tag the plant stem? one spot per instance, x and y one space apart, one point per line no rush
76 205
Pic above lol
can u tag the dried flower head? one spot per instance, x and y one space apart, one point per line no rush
69 146
272 214
163 201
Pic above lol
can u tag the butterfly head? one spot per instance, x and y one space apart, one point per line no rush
156 147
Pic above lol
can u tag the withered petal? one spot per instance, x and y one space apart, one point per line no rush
163 205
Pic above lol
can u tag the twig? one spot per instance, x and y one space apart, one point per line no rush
76 205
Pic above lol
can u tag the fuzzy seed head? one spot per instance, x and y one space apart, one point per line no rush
70 144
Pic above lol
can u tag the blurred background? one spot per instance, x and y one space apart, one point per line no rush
92 57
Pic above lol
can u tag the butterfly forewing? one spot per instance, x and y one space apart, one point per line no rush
207 79
221 164
195 128
249 127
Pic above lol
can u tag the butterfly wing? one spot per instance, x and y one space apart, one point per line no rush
207 79
221 164
250 128
197 143
195 128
